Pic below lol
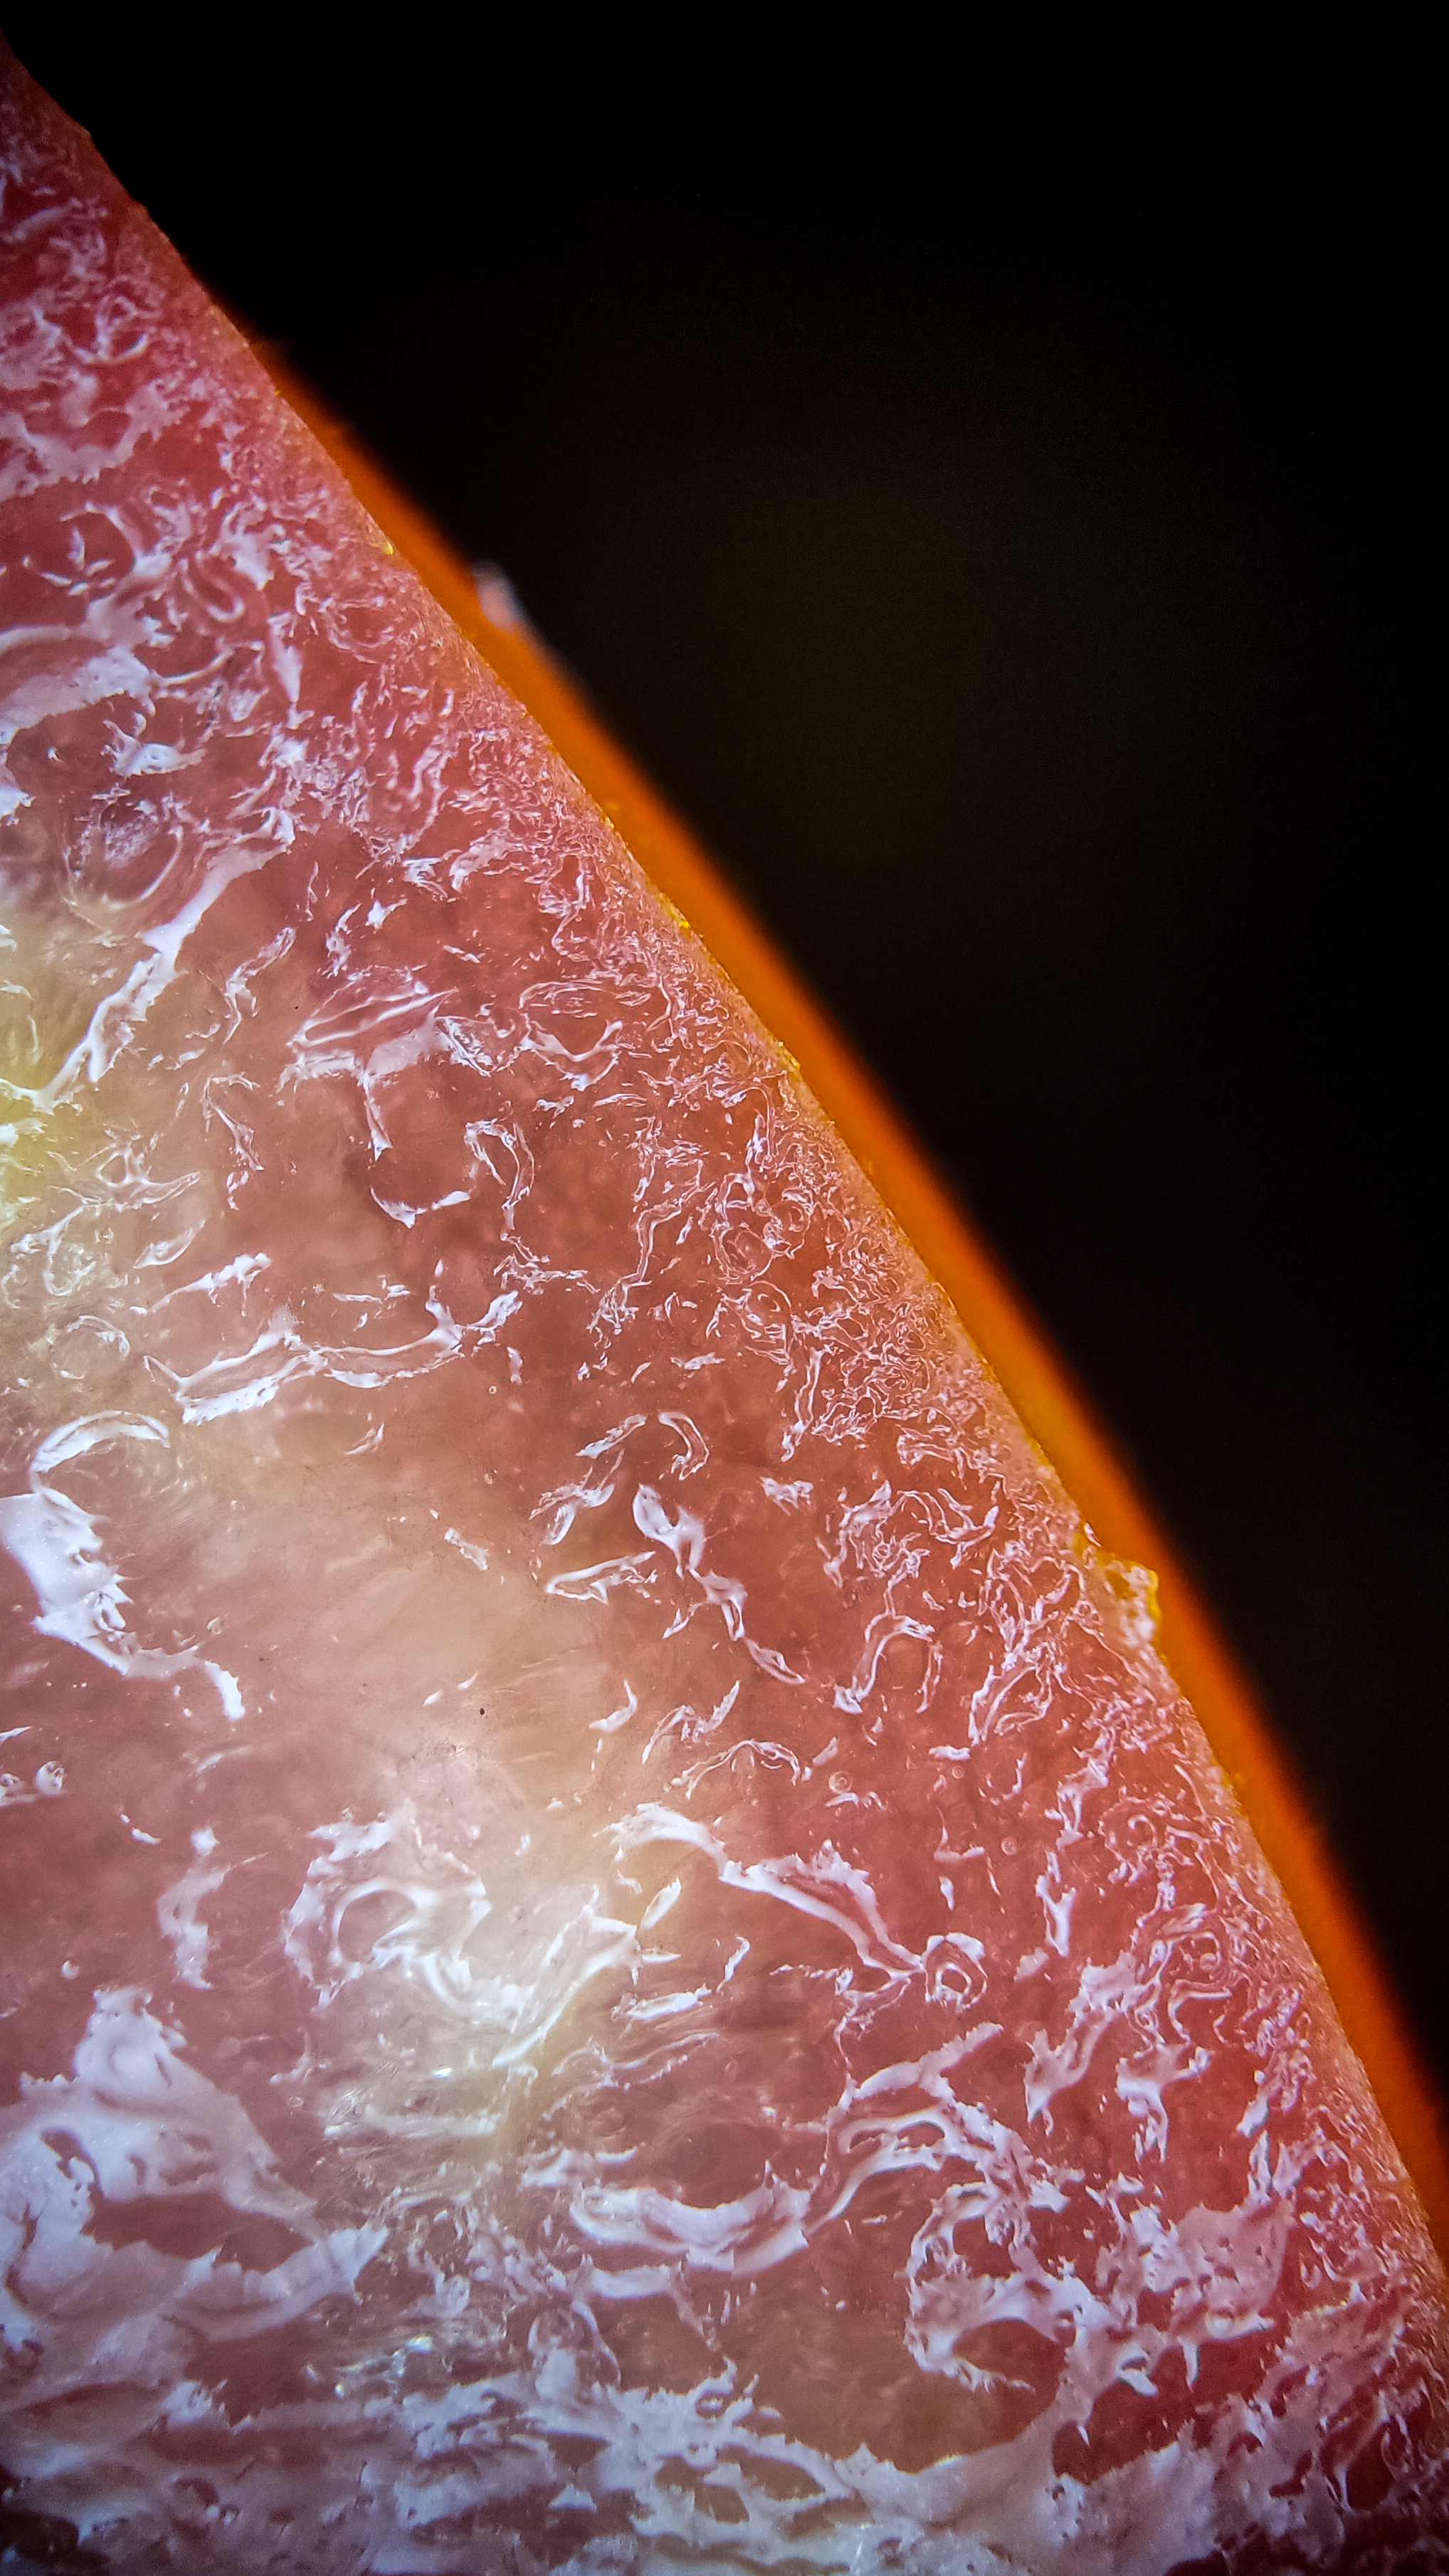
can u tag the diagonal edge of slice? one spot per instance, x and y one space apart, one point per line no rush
1052 1406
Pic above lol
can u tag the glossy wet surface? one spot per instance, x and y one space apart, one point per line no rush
618 1953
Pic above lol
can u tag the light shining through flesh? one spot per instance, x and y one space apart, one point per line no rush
618 1953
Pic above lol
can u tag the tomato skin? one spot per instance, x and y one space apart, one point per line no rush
611 1889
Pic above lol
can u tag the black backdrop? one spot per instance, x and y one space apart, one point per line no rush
1007 550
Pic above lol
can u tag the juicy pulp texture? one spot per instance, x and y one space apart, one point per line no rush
619 1952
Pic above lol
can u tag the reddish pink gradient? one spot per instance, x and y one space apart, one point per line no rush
619 1952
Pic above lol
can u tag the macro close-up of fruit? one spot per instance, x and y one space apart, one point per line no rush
621 1946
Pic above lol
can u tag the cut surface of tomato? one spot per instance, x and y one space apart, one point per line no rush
620 1950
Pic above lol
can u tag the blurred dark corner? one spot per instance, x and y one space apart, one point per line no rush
997 514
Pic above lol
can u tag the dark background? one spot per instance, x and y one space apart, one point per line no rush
999 522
